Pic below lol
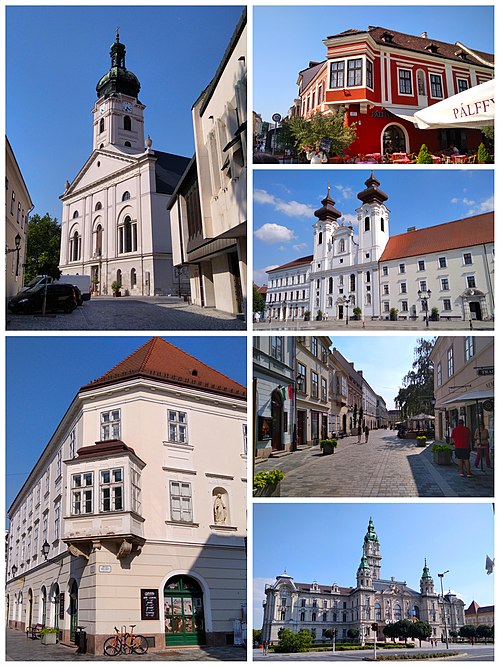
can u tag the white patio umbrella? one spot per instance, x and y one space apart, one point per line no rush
472 108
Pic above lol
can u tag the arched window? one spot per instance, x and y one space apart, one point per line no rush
75 215
367 276
397 612
313 617
342 245
368 299
126 196
378 611
98 240
302 616
101 125
382 224
367 224
352 282
127 123
119 276
320 238
330 285
416 611
128 144
133 278
75 245
43 606
127 236
98 206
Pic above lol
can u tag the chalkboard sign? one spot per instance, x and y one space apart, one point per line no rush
150 609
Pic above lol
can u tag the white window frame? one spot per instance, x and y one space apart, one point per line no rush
82 493
467 277
444 265
447 302
469 255
177 426
135 490
111 490
440 76
469 347
181 501
405 69
459 88
445 284
112 426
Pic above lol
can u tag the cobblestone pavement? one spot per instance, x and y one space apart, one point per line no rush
386 466
19 647
478 652
132 314
376 325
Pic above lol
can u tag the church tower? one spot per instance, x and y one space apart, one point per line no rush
323 231
371 550
118 113
426 581
373 222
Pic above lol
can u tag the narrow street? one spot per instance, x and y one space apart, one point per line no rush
385 466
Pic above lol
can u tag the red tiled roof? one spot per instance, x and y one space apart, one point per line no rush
262 290
457 234
159 360
296 262
419 44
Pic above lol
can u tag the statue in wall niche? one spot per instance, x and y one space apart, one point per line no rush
220 512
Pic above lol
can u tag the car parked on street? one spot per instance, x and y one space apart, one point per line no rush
60 296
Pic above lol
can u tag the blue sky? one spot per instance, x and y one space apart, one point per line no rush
57 54
323 542
43 375
285 201
287 38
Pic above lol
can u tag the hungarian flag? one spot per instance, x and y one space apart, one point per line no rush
290 391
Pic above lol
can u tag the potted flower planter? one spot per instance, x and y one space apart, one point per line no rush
328 446
48 636
442 454
267 484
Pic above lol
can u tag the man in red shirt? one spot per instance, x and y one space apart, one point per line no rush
462 439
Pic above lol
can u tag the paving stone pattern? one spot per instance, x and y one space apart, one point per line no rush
385 466
129 314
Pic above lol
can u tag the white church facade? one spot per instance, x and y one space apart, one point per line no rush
445 269
319 608
115 222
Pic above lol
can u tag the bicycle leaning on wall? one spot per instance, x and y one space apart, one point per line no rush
125 642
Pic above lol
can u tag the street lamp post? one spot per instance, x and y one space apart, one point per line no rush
346 302
16 249
424 296
441 576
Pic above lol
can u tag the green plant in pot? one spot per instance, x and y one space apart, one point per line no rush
328 445
421 440
434 316
393 314
49 635
267 483
442 454
307 315
116 287
356 312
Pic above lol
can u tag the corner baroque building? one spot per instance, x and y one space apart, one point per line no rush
319 608
371 270
135 511
115 223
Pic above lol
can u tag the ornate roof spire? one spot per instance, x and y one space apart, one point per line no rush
372 193
328 210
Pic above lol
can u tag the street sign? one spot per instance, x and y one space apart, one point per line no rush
486 370
276 117
488 405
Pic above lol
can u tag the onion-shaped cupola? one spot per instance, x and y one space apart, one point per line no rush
328 210
372 193
371 535
118 79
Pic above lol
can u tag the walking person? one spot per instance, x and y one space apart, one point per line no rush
482 440
367 433
359 434
265 646
461 437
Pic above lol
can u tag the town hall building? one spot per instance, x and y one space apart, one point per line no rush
446 269
115 223
318 608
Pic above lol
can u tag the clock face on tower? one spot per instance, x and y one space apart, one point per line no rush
102 108
126 106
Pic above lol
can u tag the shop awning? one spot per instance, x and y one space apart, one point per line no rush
472 108
470 397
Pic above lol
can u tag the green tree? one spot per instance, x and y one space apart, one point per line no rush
291 642
484 632
353 633
391 631
482 154
257 636
42 252
424 156
421 630
285 139
258 300
404 628
468 632
309 133
418 384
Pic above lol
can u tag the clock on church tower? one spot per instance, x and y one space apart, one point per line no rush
118 113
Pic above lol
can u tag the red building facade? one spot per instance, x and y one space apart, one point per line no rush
381 77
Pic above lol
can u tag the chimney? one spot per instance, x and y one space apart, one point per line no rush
424 35
411 229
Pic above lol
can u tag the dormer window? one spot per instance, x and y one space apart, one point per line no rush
387 37
432 48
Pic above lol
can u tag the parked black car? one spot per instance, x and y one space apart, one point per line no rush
60 296
79 296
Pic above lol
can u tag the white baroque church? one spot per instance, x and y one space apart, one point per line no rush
115 222
446 268
318 608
